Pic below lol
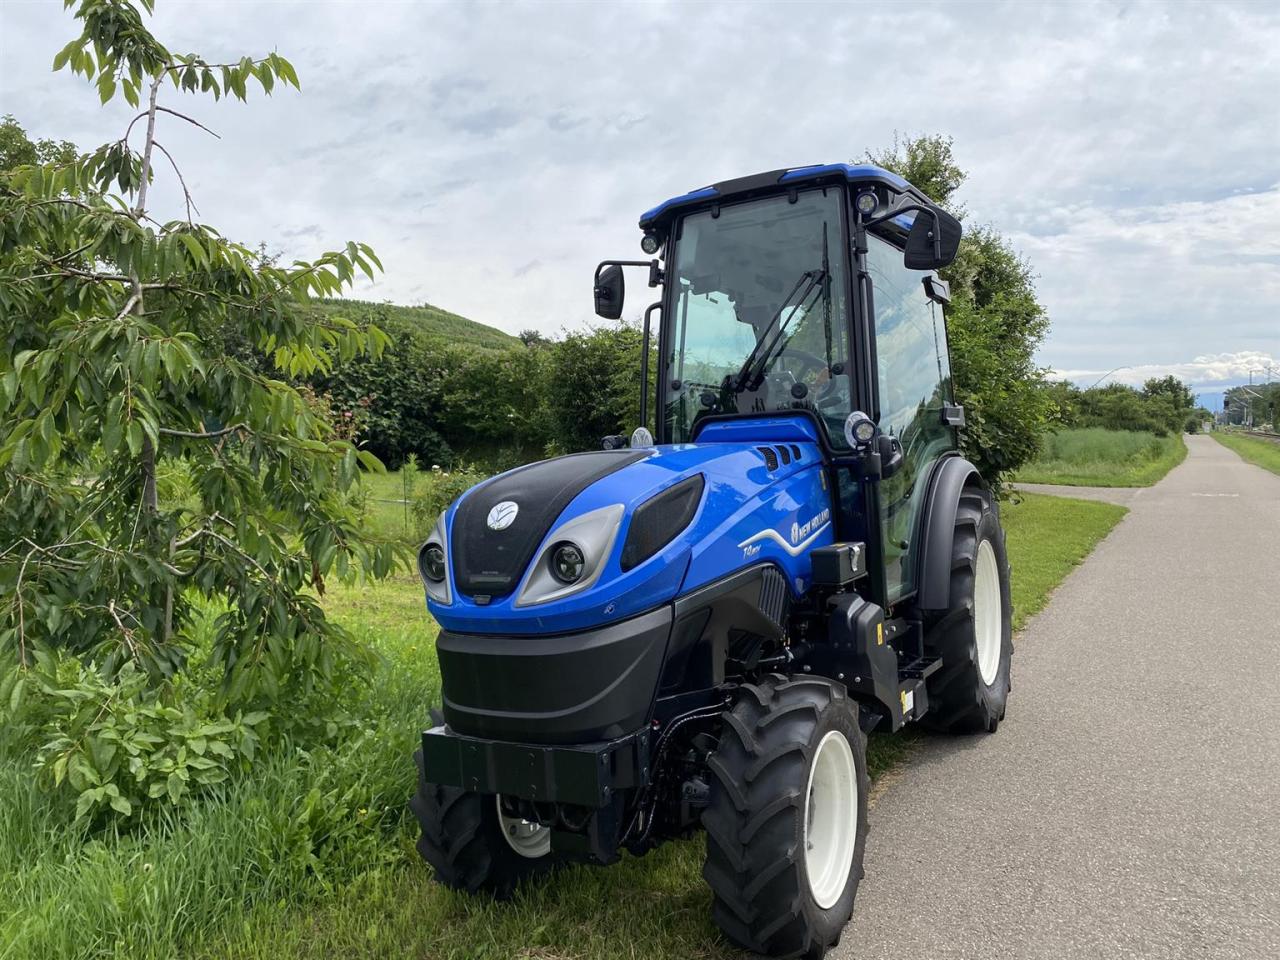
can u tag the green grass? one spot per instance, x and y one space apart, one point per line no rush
313 856
1094 457
426 318
1263 453
1047 536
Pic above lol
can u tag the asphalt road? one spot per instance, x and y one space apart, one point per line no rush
1129 805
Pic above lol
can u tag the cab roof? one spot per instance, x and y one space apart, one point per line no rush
771 180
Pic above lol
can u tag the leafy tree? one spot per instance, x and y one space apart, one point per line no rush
930 158
116 373
593 386
995 322
1171 389
19 150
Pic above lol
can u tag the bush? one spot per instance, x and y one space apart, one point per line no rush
441 488
116 745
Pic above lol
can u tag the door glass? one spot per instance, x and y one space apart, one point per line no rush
915 381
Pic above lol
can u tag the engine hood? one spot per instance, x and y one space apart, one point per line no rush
758 502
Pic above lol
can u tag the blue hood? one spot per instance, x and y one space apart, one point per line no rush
760 503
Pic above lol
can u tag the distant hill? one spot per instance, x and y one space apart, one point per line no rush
427 319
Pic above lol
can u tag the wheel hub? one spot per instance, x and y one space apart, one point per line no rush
528 839
830 819
987 613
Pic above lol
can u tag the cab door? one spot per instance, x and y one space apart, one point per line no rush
914 377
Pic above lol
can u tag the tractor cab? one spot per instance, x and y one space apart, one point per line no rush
810 293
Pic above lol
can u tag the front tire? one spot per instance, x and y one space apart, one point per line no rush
787 820
974 639
471 844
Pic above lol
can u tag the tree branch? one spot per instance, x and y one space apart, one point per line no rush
191 120
129 304
202 435
186 194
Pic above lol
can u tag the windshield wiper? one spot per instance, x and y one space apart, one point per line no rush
753 368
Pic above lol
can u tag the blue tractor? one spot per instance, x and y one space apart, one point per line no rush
698 632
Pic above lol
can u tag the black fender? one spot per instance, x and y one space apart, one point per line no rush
950 476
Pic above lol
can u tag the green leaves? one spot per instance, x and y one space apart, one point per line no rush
153 463
106 87
117 747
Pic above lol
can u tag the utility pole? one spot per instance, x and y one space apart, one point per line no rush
1252 395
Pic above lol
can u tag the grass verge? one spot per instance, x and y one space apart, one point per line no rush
313 857
1094 457
1047 536
1260 452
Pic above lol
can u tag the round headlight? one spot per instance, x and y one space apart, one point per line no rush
867 202
431 562
567 563
650 243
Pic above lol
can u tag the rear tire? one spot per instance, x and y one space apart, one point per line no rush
465 840
974 638
787 819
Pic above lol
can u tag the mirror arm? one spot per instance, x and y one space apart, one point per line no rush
655 271
899 211
919 209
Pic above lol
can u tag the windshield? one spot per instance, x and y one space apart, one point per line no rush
760 321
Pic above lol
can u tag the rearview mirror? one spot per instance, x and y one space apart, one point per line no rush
610 292
933 240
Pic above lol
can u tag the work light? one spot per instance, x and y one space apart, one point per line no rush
859 429
650 243
867 202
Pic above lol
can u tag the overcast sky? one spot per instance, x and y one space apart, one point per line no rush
493 153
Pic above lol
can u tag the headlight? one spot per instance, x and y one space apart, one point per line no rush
573 556
433 564
567 563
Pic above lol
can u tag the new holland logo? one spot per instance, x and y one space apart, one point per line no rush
800 531
503 515
802 536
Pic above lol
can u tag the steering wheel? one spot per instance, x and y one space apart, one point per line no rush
808 363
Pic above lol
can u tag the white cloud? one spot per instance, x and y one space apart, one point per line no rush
1206 372
1129 149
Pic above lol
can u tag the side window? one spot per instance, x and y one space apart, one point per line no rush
915 381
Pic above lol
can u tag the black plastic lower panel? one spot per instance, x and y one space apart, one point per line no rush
566 688
585 774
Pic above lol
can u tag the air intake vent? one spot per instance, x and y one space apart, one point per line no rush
773 595
786 454
795 452
770 458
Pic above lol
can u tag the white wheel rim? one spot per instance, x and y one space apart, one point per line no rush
528 839
830 819
988 613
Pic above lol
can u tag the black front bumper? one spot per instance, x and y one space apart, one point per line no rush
576 688
589 774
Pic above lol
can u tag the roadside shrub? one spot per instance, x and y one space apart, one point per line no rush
439 489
